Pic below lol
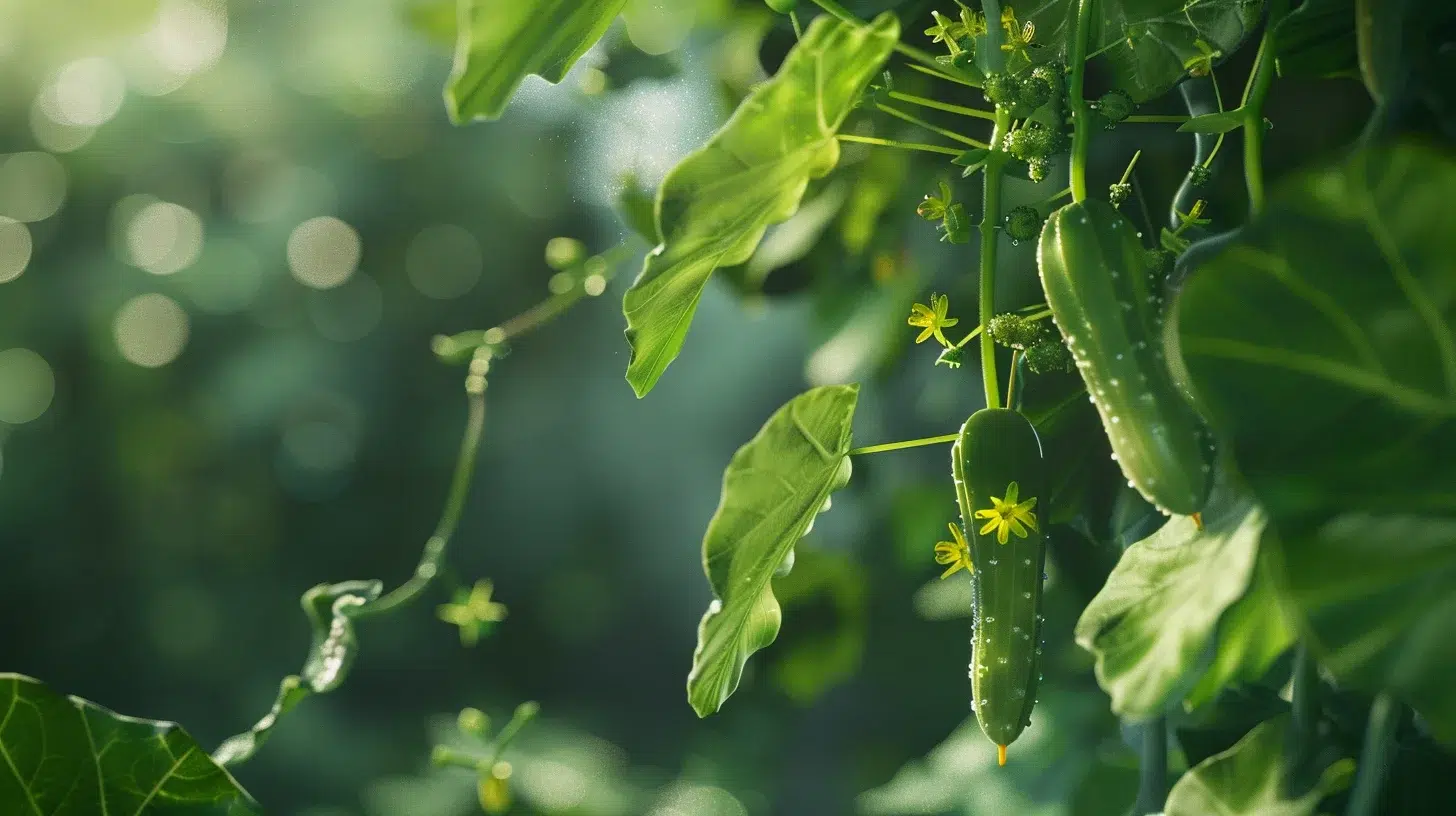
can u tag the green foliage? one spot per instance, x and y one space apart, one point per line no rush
772 489
1178 617
68 757
715 206
1146 43
1351 259
1221 122
500 42
1317 41
1249 777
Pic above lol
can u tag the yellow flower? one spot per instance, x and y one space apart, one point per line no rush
474 612
1018 37
1202 64
1006 516
956 553
933 319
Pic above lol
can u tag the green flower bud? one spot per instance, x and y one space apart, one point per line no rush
1023 223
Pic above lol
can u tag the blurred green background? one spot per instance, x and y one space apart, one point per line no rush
228 232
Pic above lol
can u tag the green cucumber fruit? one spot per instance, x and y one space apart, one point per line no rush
999 448
1111 314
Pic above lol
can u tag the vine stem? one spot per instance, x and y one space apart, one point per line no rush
909 443
916 146
1255 93
1375 757
910 51
991 213
1081 112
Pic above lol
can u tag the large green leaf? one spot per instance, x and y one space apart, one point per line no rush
62 756
772 489
499 42
1321 347
714 207
1146 43
1168 622
1317 40
1248 780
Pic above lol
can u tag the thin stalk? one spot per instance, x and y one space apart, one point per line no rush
1081 112
798 29
1255 93
1047 202
1157 119
909 443
917 146
1217 143
1376 757
918 122
1013 390
1126 174
910 51
939 74
943 106
1153 769
990 216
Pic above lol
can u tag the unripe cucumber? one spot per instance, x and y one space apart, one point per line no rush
997 448
1111 315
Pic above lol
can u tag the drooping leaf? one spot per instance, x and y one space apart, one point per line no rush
1248 779
1154 627
1252 634
1317 41
714 207
64 756
1146 43
772 489
499 42
1321 347
1222 122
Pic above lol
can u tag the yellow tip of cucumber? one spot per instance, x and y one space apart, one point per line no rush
1198 520
1000 755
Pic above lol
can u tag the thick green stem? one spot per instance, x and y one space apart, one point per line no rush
1375 758
1081 111
1255 93
1153 770
909 443
990 237
991 58
1304 698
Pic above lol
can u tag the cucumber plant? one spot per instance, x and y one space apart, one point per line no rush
1280 399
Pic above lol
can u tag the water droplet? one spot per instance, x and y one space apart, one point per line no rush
1003 661
994 562
1026 595
989 619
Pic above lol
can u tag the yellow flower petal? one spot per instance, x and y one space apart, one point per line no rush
926 335
1001 532
990 525
1012 491
990 514
1016 528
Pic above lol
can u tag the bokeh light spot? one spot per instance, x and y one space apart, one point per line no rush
164 238
323 252
32 186
188 36
443 261
150 330
15 249
86 93
27 386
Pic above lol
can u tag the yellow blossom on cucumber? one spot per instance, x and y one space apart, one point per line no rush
1007 516
956 553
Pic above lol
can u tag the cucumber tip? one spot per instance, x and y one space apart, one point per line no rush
1198 520
1001 755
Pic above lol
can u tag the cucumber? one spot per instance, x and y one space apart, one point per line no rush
1111 315
998 448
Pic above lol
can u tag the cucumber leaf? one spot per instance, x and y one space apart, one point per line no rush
1168 621
1317 41
772 489
1147 44
1220 122
1322 348
715 206
499 42
67 757
1249 778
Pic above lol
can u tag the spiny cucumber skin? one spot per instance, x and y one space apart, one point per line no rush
1111 316
997 447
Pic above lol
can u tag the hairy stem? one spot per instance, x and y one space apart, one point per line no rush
1375 757
909 443
1081 111
1255 93
990 216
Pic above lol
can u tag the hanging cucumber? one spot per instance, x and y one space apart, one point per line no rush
1111 315
999 475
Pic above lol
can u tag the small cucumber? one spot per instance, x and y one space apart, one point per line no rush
1111 315
999 476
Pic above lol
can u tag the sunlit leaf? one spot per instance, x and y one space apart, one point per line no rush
64 756
772 489
714 207
1155 627
1248 779
500 42
1323 350
1146 43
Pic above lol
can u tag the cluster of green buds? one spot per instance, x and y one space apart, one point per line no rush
1199 176
1023 224
1043 348
493 786
1115 106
